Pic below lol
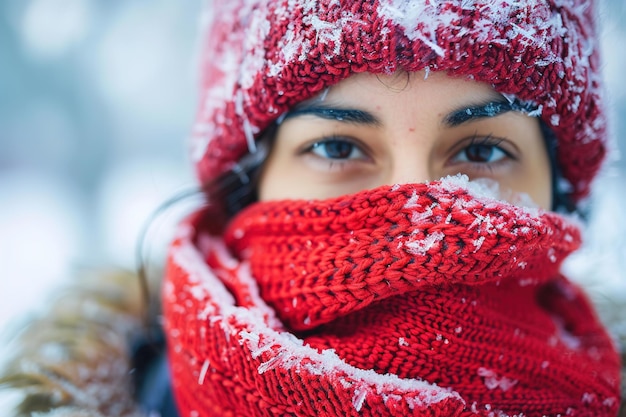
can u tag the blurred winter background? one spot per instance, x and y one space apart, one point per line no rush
96 101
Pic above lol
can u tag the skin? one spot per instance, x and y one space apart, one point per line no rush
368 131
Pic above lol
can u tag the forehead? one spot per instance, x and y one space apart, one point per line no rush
434 89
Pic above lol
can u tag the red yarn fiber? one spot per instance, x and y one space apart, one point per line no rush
420 300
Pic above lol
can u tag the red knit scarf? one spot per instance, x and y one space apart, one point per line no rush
423 300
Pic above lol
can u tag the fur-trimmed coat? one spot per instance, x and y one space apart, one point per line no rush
76 360
88 356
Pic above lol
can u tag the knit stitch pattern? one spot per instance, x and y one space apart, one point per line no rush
261 57
418 299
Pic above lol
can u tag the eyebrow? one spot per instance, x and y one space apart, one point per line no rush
455 118
479 111
356 116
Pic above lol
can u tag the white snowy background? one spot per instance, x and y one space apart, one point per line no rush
97 98
96 102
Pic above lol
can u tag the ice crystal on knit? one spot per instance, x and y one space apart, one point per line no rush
421 246
493 380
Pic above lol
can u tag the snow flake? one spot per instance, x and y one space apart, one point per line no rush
405 14
249 132
492 380
271 363
484 225
565 336
198 292
412 201
422 246
552 255
203 371
359 398
419 217
478 243
588 398
525 282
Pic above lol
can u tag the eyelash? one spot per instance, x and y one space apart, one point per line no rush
336 162
486 141
463 146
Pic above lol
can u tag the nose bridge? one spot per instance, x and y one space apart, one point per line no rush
416 173
411 161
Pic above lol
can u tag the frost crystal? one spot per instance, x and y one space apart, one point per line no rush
359 398
493 381
412 202
588 398
478 243
421 246
203 371
421 19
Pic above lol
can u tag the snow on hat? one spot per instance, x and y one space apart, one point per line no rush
261 57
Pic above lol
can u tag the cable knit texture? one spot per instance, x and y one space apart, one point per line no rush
425 299
261 57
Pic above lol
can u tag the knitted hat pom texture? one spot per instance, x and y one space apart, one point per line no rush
262 57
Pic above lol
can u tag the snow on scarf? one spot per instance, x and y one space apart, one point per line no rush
423 299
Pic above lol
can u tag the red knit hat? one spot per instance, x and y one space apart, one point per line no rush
264 56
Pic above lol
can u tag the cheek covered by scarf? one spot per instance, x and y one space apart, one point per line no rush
422 299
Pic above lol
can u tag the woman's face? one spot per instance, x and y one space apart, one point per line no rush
370 130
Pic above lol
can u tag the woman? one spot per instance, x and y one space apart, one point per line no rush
378 237
366 280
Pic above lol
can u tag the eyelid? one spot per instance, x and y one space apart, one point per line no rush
307 147
506 146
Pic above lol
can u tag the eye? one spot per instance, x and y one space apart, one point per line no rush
337 149
482 151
